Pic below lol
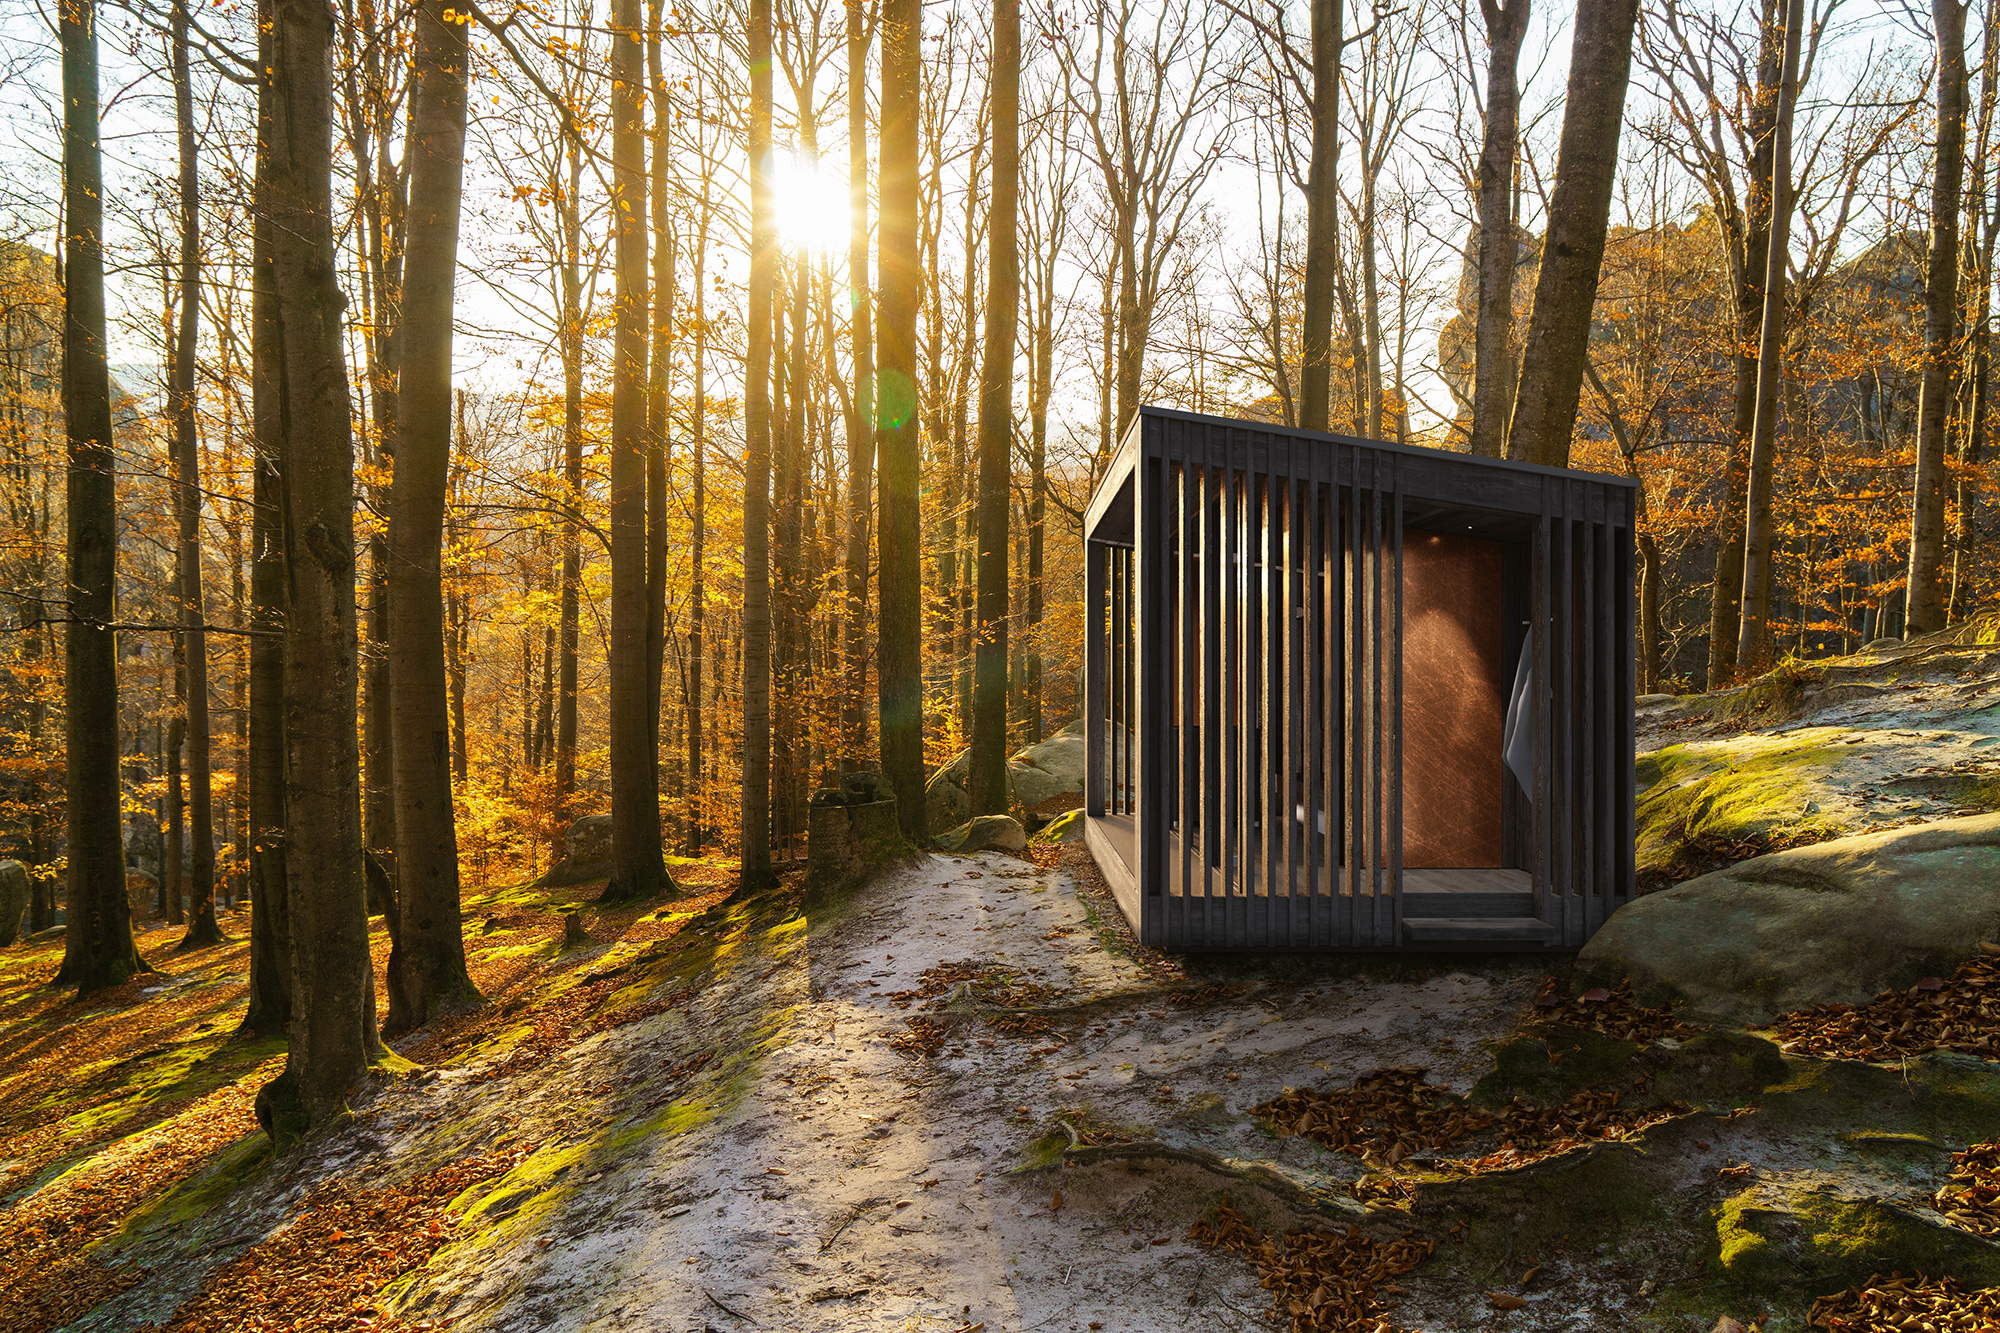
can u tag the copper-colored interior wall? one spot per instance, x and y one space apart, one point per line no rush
1453 704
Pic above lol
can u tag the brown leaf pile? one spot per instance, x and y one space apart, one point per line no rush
1320 1281
1612 1012
924 1036
326 1267
1907 1305
1972 1199
1389 1116
1594 1115
1956 1013
48 1277
1385 1117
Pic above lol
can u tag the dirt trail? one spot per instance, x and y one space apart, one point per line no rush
764 1155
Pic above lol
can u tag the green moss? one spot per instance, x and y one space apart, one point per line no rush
235 1165
1551 1064
1753 789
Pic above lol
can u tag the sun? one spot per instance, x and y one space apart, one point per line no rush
810 202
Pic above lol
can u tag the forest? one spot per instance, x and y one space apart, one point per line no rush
437 433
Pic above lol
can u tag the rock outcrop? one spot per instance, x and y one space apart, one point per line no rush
1838 922
987 833
14 890
1043 780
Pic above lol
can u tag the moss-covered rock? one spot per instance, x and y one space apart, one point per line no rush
1800 1234
1837 922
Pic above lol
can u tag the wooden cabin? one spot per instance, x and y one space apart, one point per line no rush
1344 694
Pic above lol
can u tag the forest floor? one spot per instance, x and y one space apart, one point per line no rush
961 1098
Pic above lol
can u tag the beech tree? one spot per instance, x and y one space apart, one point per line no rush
98 949
427 972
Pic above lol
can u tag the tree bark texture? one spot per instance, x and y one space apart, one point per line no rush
98 949
861 408
1322 220
1493 334
270 999
1579 211
333 1037
757 464
428 976
202 928
996 420
899 650
1753 648
635 795
1926 598
659 366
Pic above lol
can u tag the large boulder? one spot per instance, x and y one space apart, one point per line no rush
1049 769
14 890
1044 778
988 833
586 853
1838 922
948 794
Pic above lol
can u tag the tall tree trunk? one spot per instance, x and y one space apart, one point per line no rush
571 282
98 949
202 928
1753 647
996 419
697 554
333 1037
1322 220
1726 590
899 656
757 464
1493 336
861 407
173 887
458 617
428 976
1579 211
1926 601
659 367
635 794
270 999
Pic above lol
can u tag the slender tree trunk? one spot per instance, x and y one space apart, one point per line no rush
1726 591
861 408
697 554
571 281
202 928
996 419
1493 337
1579 212
173 887
899 656
98 950
333 1037
658 374
1926 597
1322 220
1753 647
757 464
635 794
270 998
428 977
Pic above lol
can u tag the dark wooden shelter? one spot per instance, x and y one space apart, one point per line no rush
1354 695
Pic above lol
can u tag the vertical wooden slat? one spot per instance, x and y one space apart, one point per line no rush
1376 758
1320 708
1393 778
1214 877
1093 677
1356 579
1191 720
1624 695
1298 920
1566 712
1277 776
1539 690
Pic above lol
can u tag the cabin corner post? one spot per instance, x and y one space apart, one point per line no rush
1096 777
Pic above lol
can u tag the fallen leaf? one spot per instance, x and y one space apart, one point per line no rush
904 1203
1529 1276
1989 947
1505 1302
1726 1325
1162 1240
1929 983
1596 995
1055 1204
769 1171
